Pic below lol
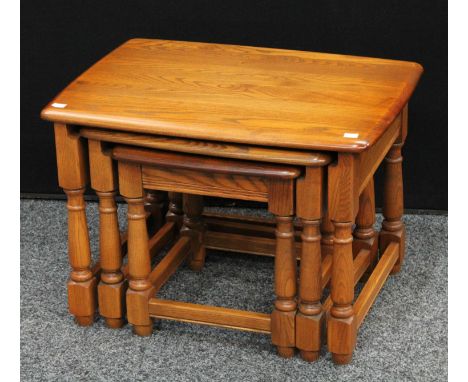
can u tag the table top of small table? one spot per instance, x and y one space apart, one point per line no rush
256 96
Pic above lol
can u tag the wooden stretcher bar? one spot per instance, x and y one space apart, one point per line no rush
210 315
376 281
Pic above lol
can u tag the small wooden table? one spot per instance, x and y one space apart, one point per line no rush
257 104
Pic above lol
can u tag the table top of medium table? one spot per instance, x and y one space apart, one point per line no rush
230 93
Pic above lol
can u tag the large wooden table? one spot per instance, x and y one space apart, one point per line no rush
257 104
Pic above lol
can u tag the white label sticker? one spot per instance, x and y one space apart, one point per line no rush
351 135
59 105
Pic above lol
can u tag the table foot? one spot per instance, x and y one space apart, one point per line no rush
194 227
196 266
114 323
84 320
285 352
143 330
310 356
341 359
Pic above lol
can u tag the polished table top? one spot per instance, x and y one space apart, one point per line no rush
255 96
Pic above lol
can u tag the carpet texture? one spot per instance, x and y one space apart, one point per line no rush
404 337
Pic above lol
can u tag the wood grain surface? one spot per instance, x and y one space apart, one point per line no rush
178 161
230 93
210 148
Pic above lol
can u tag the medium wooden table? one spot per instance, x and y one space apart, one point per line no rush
257 104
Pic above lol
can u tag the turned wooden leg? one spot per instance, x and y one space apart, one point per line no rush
393 228
72 168
175 211
140 289
365 236
343 206
139 263
193 226
283 316
82 283
156 205
342 329
309 319
112 286
327 229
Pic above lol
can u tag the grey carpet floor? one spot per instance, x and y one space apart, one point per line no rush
404 337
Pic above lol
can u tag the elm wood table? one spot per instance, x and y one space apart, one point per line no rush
352 108
194 176
228 178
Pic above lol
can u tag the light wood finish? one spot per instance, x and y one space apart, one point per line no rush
210 315
343 192
343 204
214 177
327 229
365 218
341 325
284 312
82 282
255 96
393 228
309 318
364 234
195 229
251 243
310 194
247 234
161 238
130 183
376 281
215 149
164 236
255 235
258 231
351 199
112 286
72 157
361 265
231 242
164 159
370 159
201 183
281 197
73 177
169 264
139 260
260 226
326 269
404 124
135 165
253 105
